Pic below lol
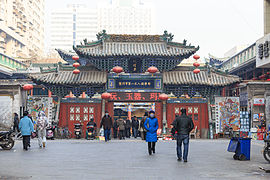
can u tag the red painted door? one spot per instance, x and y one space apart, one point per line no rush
193 110
80 114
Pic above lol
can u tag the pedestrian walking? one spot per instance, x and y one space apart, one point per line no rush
128 126
42 123
142 128
183 125
121 126
27 128
106 122
151 126
135 127
16 123
115 129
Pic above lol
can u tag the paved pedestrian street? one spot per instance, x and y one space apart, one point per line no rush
128 159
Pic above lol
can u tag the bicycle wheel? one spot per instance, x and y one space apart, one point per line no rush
266 153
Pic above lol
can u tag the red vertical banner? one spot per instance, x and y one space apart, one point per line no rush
223 91
49 93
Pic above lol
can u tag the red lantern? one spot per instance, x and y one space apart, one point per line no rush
163 97
76 71
196 57
267 79
75 58
152 69
196 64
117 69
106 95
196 71
268 73
76 65
28 87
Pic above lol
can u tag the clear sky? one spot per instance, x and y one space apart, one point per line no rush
215 25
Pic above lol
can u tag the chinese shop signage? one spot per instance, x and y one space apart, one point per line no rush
134 96
258 102
262 52
131 83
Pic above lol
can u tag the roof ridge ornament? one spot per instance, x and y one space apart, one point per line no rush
167 37
101 36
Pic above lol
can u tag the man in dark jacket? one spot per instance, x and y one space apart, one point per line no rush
128 126
106 122
135 126
183 125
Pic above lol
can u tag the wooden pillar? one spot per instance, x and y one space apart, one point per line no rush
223 91
49 93
129 111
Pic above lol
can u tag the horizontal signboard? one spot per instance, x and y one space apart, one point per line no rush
134 96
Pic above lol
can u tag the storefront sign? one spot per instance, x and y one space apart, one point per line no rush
134 96
127 84
133 83
258 102
262 52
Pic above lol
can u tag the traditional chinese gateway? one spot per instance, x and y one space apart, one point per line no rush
119 65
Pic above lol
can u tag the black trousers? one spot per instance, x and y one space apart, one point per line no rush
114 133
26 142
151 147
121 134
128 132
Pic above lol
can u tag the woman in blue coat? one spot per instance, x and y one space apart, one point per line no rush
151 126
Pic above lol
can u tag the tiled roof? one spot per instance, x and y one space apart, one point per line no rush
134 45
67 77
202 78
135 49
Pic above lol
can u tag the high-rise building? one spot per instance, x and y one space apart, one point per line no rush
71 25
22 28
126 17
266 17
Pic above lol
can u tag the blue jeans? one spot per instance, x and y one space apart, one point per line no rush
135 132
182 138
107 133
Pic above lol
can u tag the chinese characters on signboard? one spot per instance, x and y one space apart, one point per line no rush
135 84
134 96
126 84
263 50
